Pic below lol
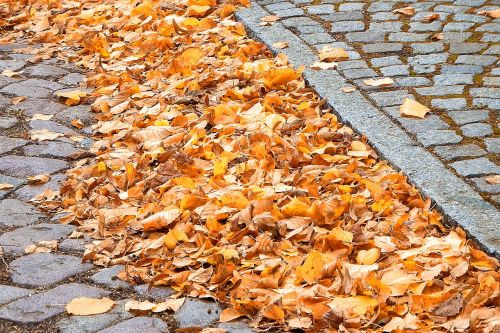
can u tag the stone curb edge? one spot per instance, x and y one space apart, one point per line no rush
456 200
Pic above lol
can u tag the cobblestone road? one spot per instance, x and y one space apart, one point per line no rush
34 288
457 76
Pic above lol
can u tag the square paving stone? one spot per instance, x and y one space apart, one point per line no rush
491 103
320 9
396 70
476 130
7 144
9 294
466 117
23 166
13 65
440 90
476 167
412 81
91 324
466 48
425 48
107 277
428 59
39 307
413 125
138 325
45 269
385 61
14 242
482 60
366 36
197 312
450 153
317 38
359 73
492 145
390 98
382 47
16 213
347 26
453 79
438 137
466 69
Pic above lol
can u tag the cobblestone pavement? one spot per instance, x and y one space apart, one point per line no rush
34 288
456 76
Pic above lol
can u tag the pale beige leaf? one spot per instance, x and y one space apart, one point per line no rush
38 179
11 73
495 13
280 45
4 186
385 82
39 116
412 108
494 179
409 11
329 54
84 306
348 89
323 65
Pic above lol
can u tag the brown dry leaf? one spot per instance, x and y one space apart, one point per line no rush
17 100
44 134
77 123
213 330
4 186
409 11
84 306
494 179
431 17
302 323
495 13
437 36
39 116
72 97
330 54
270 18
384 82
280 45
412 108
11 73
38 179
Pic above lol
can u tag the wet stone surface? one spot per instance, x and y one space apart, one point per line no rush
457 76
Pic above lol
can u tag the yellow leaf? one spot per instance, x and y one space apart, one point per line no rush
39 179
312 269
342 235
275 313
234 199
368 257
329 54
72 97
84 306
413 108
160 220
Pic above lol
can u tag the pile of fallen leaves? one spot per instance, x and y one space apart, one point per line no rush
218 173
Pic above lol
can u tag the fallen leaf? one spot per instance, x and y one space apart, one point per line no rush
302 322
437 36
270 18
72 97
77 123
4 186
329 54
324 65
495 13
409 11
17 100
11 73
280 45
39 116
494 179
38 179
84 306
431 17
384 82
412 108
368 257
42 247
348 89
44 134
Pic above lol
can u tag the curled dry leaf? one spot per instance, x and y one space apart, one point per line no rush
495 13
437 36
145 306
494 179
38 179
431 17
72 97
329 54
77 123
42 247
280 45
412 108
384 82
84 306
11 73
5 186
39 116
409 11
323 65
44 134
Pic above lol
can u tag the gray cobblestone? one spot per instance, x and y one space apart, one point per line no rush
465 117
45 269
9 293
359 73
155 293
484 186
16 213
476 130
320 9
482 60
458 26
449 103
382 47
413 81
22 166
397 70
492 145
8 144
476 167
347 26
440 90
317 38
408 37
366 36
44 305
425 48
466 48
107 277
197 312
7 122
450 153
465 69
440 137
389 98
453 79
46 71
385 61
138 325
428 59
